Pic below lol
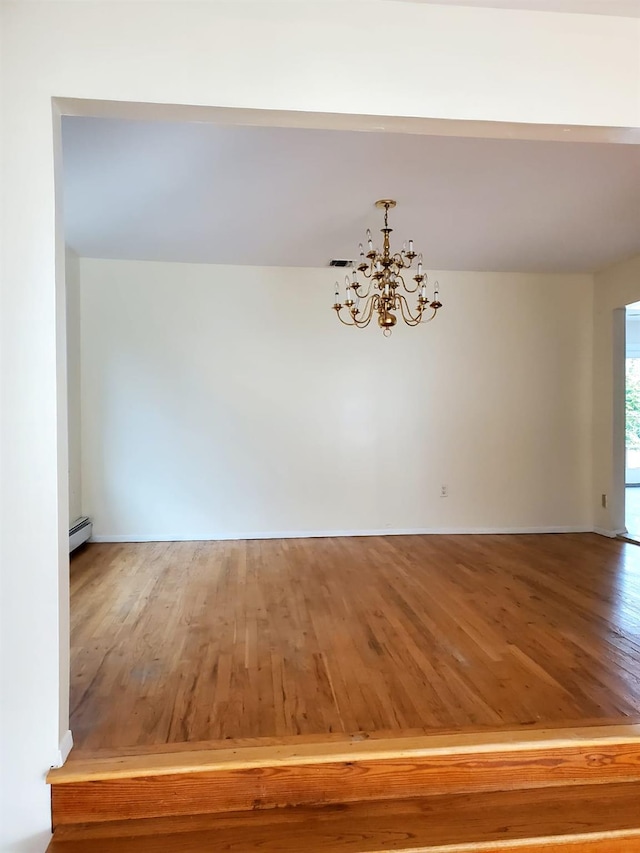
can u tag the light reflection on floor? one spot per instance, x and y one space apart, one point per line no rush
625 593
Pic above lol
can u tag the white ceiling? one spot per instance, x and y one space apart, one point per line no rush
294 197
618 8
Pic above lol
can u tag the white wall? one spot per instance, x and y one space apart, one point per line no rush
72 270
614 288
228 402
443 62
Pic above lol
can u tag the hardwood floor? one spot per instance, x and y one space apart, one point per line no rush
183 642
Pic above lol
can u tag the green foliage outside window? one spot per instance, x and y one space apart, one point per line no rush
633 404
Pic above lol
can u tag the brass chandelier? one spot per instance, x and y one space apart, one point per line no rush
385 293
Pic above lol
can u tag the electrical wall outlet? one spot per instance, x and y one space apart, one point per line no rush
444 491
605 501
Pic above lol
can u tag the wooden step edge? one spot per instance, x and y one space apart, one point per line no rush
573 815
339 783
351 749
119 751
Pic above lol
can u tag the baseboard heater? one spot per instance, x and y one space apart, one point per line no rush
79 532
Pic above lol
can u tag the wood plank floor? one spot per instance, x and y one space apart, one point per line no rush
198 641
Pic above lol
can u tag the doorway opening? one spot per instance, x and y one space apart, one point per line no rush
206 635
632 421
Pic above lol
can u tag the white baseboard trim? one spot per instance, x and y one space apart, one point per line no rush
311 534
66 745
611 534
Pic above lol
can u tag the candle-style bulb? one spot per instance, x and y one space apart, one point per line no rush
361 247
419 264
411 245
354 275
369 240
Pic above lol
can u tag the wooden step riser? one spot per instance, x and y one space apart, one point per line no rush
242 789
597 819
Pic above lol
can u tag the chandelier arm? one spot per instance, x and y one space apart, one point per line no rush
338 315
368 273
363 325
429 319
424 319
409 289
407 316
358 323
368 313
361 295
